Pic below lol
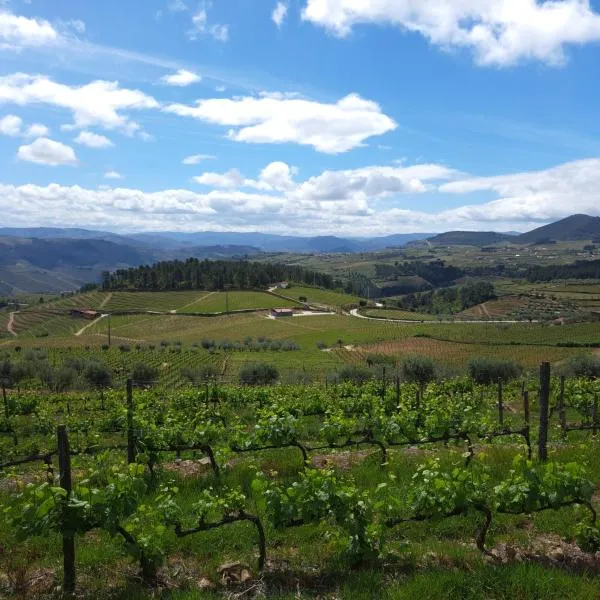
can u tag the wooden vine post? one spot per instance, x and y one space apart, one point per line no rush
130 432
68 539
5 400
544 406
562 412
500 404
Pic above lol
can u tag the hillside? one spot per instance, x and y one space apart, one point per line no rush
469 238
573 228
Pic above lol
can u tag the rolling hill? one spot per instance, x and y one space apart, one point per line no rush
470 238
572 229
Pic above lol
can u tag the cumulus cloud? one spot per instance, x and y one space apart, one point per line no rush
499 32
371 200
533 196
11 125
36 130
202 27
279 13
280 118
17 31
93 140
276 176
113 175
99 103
182 78
44 151
196 159
177 6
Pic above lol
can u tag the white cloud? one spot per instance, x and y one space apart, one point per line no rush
366 201
276 176
499 32
202 27
280 118
279 13
220 88
113 175
93 140
533 196
98 103
37 130
17 31
182 78
177 6
11 125
44 151
196 159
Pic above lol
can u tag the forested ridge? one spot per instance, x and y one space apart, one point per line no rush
582 269
194 274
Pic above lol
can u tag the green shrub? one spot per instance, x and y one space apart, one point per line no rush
258 374
585 365
418 369
354 374
144 374
488 370
200 374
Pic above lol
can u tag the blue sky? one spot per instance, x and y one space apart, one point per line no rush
353 117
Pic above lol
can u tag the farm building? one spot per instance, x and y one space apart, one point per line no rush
278 313
85 313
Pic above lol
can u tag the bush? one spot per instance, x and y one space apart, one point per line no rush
585 365
321 345
353 374
258 374
303 298
418 369
200 374
488 370
97 375
144 374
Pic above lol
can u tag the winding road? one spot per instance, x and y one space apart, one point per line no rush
10 326
354 313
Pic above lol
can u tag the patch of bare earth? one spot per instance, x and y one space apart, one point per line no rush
188 468
550 551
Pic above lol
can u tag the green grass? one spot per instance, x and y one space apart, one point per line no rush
319 296
218 302
401 315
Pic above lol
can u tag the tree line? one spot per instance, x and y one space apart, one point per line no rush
449 300
582 269
194 274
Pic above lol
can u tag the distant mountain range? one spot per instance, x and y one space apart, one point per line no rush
572 229
49 259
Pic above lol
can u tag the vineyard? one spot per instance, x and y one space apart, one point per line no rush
322 491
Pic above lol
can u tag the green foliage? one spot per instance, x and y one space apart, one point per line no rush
418 369
530 487
585 365
485 371
353 374
323 496
258 374
144 374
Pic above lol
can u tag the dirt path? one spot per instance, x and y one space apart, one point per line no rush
83 329
106 300
486 312
194 302
10 326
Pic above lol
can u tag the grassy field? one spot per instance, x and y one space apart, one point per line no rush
450 344
319 296
217 302
401 315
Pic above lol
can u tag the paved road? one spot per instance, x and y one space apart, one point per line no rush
354 313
